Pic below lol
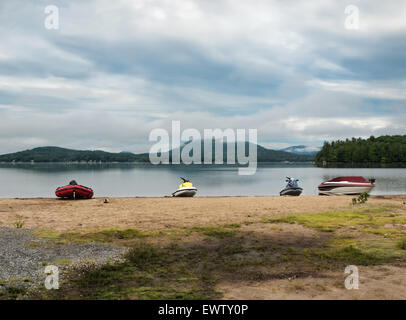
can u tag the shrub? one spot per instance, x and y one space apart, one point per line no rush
19 224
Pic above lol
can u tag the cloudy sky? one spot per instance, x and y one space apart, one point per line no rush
115 70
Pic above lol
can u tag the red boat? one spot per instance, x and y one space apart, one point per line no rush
74 191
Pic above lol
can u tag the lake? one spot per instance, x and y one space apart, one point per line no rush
145 180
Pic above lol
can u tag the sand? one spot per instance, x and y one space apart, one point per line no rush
149 214
160 213
383 282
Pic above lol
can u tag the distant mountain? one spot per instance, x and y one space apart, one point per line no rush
263 154
57 154
268 155
302 150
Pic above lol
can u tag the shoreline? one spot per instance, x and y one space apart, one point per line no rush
157 213
230 247
374 196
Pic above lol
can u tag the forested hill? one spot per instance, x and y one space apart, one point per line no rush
384 149
263 154
57 154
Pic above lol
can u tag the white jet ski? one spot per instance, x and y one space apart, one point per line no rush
186 189
292 188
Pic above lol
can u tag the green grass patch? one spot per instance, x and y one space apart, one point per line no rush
385 232
346 256
233 225
108 235
48 234
359 251
144 255
217 231
385 249
149 272
402 244
33 244
63 261
332 220
104 236
12 293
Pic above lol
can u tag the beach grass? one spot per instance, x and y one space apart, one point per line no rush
189 262
12 293
369 217
189 266
402 244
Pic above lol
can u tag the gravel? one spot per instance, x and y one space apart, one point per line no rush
23 257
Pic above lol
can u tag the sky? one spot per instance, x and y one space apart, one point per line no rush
299 72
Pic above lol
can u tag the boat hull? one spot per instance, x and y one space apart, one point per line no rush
294 192
351 185
344 190
74 192
185 192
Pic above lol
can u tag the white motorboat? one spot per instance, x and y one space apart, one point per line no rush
186 189
346 186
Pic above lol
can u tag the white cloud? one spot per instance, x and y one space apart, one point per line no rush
370 89
117 69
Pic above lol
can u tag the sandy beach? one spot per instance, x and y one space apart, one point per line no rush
227 247
161 213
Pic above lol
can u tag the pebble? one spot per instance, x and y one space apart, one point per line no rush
23 257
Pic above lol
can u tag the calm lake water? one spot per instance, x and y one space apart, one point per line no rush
129 180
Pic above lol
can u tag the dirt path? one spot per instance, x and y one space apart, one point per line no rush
378 282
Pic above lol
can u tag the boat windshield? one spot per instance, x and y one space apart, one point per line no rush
349 179
292 183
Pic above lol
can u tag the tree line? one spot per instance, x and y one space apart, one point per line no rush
384 149
56 154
